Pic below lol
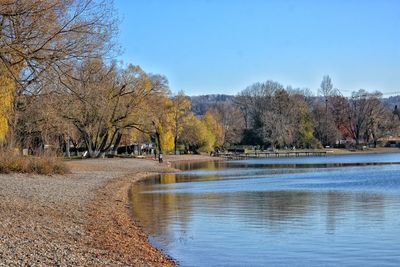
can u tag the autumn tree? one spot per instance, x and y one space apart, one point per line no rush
156 116
232 120
215 128
41 34
302 121
101 100
180 109
163 120
7 85
198 137
38 36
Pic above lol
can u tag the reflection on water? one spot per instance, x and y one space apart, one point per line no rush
241 214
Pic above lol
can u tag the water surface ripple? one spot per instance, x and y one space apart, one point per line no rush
315 211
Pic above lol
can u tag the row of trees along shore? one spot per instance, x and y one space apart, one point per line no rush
60 85
278 116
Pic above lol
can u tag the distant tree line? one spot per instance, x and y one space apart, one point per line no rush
270 115
276 116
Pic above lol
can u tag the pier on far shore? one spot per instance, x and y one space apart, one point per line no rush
242 154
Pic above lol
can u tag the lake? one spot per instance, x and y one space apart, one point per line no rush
307 211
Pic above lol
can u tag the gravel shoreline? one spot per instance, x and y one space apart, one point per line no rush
79 219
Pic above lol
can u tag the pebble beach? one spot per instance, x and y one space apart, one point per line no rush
78 219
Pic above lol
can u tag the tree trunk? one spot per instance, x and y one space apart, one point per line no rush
175 143
159 146
375 139
67 150
158 142
116 144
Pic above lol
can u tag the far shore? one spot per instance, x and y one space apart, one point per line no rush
343 150
363 151
79 219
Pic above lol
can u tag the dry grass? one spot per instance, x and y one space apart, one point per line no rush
45 165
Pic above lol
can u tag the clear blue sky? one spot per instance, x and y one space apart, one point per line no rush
221 46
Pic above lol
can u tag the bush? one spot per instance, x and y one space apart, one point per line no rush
45 165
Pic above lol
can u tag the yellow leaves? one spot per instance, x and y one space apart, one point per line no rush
193 131
163 121
172 120
180 107
181 103
3 128
198 135
7 87
215 128
207 138
132 134
136 80
167 140
147 84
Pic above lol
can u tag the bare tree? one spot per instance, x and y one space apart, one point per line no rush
380 121
277 127
326 128
324 122
255 101
38 34
39 38
232 121
364 114
101 101
38 125
396 112
326 89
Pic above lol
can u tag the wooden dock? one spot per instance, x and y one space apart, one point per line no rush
257 155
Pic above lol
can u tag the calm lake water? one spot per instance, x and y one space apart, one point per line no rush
309 211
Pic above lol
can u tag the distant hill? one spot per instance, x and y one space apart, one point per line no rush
201 103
